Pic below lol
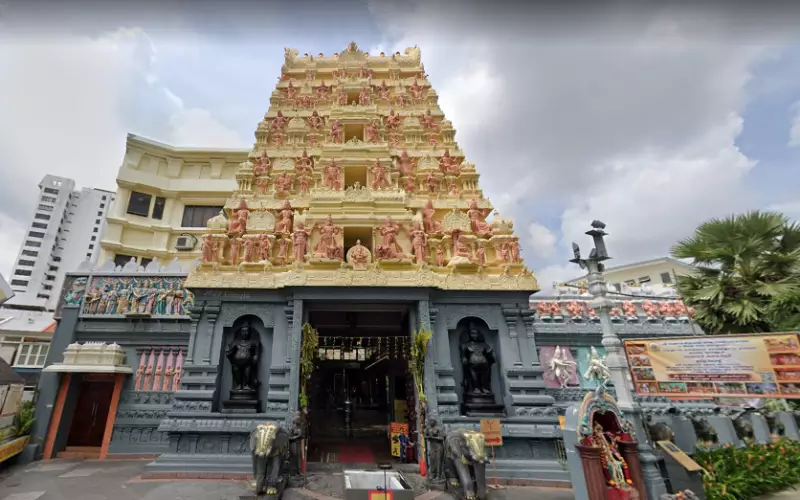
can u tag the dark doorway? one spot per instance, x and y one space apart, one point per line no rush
361 383
91 412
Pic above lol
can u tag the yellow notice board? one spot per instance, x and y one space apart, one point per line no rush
749 366
396 429
492 430
12 448
679 455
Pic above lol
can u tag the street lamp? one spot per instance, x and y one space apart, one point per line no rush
616 362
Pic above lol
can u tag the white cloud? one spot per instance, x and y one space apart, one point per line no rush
541 240
68 103
794 131
628 117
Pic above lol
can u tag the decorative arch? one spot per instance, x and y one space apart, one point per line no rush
232 314
455 315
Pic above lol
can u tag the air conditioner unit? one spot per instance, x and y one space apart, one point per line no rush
185 243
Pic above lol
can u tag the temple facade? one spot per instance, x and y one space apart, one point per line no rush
354 222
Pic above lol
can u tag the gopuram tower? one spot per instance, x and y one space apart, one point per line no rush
356 179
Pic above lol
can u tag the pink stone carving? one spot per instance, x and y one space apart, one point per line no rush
448 164
328 248
404 164
300 242
236 246
304 165
315 122
168 372
629 308
283 245
286 216
429 122
265 247
251 250
429 224
140 372
176 377
332 176
371 132
389 247
364 98
384 92
210 248
337 131
380 176
159 373
148 372
393 121
419 243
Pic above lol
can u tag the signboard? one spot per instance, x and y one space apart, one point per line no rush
12 448
380 495
493 432
397 429
717 366
679 456
13 399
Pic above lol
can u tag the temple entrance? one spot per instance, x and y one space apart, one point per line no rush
361 384
89 417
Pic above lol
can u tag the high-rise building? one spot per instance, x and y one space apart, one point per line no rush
65 231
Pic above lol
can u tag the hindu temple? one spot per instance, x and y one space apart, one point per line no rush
242 286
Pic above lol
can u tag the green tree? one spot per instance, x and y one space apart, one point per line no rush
747 276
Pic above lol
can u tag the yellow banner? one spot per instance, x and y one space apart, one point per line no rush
12 448
717 366
397 429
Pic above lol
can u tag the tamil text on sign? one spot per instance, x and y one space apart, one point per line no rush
750 366
492 431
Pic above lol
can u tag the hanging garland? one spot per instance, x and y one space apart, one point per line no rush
308 356
419 351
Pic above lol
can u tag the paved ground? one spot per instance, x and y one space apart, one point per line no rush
119 480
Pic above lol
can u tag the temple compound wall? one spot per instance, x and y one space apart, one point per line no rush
171 405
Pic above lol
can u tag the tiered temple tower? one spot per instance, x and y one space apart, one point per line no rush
355 178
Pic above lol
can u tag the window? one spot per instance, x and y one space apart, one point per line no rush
158 208
56 259
50 191
47 287
46 208
49 277
35 234
145 262
29 243
121 260
198 215
48 199
104 198
94 230
19 283
22 272
91 247
53 268
102 205
32 354
94 238
26 263
31 253
42 296
644 279
666 278
88 255
41 217
97 221
39 225
138 204
100 214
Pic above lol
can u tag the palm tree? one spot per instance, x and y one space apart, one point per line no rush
747 276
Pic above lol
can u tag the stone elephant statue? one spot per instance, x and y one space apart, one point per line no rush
269 445
465 464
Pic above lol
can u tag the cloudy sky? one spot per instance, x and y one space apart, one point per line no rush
651 120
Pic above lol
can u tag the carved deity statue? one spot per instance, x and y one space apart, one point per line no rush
515 258
303 183
237 224
380 176
332 176
243 353
384 92
236 245
393 121
283 183
434 437
304 165
279 123
597 370
477 358
460 246
342 97
409 184
251 249
389 247
433 183
263 185
561 368
371 132
337 131
315 121
210 248
505 253
265 247
416 90
440 255
429 122
428 223
359 255
323 91
283 246
263 165
448 164
404 164
364 98
299 243
480 255
475 215
419 243
286 216
328 248
291 90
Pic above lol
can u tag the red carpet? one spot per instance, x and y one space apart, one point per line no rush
354 453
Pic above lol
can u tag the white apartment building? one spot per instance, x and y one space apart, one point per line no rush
657 276
65 231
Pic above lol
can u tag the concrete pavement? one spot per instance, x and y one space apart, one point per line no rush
120 480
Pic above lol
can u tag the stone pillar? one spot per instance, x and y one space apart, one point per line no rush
761 430
789 425
212 312
424 315
296 332
528 318
519 354
195 312
726 432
